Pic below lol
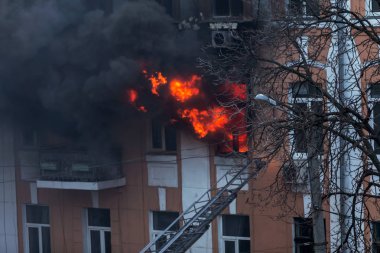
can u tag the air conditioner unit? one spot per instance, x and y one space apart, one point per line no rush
221 38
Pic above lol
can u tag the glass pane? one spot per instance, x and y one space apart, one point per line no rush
161 220
161 242
99 217
46 240
229 247
303 228
37 214
305 90
33 240
95 241
244 246
107 241
156 134
236 225
375 5
222 7
317 107
170 138
236 7
376 120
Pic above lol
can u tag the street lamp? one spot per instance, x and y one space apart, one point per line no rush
313 171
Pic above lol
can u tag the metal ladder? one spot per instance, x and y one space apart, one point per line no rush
196 219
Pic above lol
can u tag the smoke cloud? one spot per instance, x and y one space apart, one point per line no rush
65 67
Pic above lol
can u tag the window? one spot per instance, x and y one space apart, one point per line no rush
164 137
235 234
225 8
303 235
374 5
160 221
37 229
303 7
375 236
98 230
375 101
306 97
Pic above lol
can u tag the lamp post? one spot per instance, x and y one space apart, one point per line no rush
313 164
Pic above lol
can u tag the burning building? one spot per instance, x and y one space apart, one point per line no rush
109 132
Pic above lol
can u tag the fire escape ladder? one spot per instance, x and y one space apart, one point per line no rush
196 219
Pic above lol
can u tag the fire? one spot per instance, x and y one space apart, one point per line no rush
206 121
132 96
184 90
156 81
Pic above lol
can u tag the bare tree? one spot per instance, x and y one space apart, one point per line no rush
320 63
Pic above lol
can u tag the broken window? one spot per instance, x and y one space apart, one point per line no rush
232 8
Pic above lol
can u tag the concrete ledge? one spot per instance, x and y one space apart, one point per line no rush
89 186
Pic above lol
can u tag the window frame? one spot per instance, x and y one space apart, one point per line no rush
154 233
303 12
372 101
163 128
102 230
39 226
295 237
223 238
293 100
368 8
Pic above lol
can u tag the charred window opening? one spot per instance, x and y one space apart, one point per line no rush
307 98
164 137
304 7
303 235
234 143
104 5
232 8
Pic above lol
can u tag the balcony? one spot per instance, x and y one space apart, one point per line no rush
78 170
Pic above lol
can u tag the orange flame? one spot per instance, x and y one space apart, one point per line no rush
132 97
156 81
184 90
206 121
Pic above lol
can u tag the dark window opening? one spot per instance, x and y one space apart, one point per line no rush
37 214
38 229
162 220
375 6
303 235
376 120
375 236
236 225
228 8
164 137
304 7
99 217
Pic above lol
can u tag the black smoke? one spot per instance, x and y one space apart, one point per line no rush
65 67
